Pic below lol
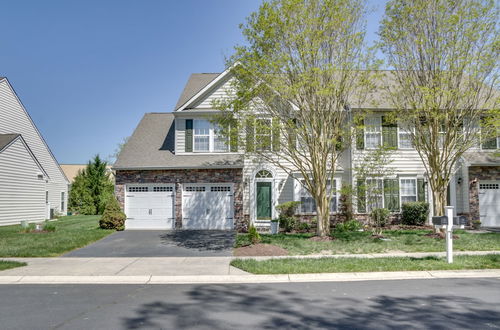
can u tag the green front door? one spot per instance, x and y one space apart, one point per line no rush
264 200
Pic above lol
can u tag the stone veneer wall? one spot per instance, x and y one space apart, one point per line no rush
477 173
179 177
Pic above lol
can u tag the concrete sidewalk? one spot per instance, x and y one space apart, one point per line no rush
199 270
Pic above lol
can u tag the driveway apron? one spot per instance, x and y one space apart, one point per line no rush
160 243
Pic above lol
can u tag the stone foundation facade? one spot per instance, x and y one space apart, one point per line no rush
179 177
476 174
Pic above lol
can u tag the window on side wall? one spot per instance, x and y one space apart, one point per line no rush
307 202
62 201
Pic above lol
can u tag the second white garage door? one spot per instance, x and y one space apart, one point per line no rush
207 206
489 203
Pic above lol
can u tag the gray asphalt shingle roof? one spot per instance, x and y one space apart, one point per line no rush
195 83
6 139
152 146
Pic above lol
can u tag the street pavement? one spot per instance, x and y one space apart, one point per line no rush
410 304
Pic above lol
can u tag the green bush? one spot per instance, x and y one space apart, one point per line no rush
346 226
303 226
253 235
287 215
47 226
380 217
287 209
414 213
113 217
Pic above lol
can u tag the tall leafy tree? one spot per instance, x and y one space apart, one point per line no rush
446 59
92 188
295 81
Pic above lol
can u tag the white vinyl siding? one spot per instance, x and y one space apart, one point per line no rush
22 193
14 119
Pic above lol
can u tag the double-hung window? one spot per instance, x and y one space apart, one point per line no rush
374 194
307 202
201 133
373 134
408 190
404 138
263 134
207 137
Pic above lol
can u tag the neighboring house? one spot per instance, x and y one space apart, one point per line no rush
177 172
72 170
32 185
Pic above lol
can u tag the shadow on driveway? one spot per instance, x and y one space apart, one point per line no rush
160 243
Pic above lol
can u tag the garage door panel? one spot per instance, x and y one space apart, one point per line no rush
489 203
149 207
208 207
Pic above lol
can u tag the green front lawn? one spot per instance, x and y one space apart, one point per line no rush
362 242
71 232
342 265
10 264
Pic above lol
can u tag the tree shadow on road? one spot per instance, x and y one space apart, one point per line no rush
202 240
267 307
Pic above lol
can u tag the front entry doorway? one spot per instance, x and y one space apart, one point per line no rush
264 200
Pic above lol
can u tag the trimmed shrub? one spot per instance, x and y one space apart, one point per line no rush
414 213
303 226
351 225
380 217
288 209
253 235
113 217
287 215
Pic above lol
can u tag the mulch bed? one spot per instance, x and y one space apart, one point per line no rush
408 227
260 250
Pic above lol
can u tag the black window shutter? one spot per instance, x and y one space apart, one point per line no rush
360 136
361 196
250 132
389 133
391 194
233 139
292 133
420 190
189 136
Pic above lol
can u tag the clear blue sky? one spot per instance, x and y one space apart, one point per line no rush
88 70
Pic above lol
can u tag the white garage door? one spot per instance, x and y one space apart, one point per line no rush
489 203
149 207
207 206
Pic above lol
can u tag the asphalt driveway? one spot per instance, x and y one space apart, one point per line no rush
160 243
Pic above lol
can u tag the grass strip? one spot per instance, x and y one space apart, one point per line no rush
363 242
70 232
343 265
10 264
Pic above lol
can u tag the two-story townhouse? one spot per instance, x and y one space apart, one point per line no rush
178 172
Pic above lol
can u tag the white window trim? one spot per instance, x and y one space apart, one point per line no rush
211 139
379 118
298 194
401 186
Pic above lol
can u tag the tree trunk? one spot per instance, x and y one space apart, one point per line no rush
323 214
439 202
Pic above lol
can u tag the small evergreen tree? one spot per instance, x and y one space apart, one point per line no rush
113 217
91 189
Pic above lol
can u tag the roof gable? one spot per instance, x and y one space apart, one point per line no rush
7 140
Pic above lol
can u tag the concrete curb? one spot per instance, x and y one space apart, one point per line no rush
228 279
